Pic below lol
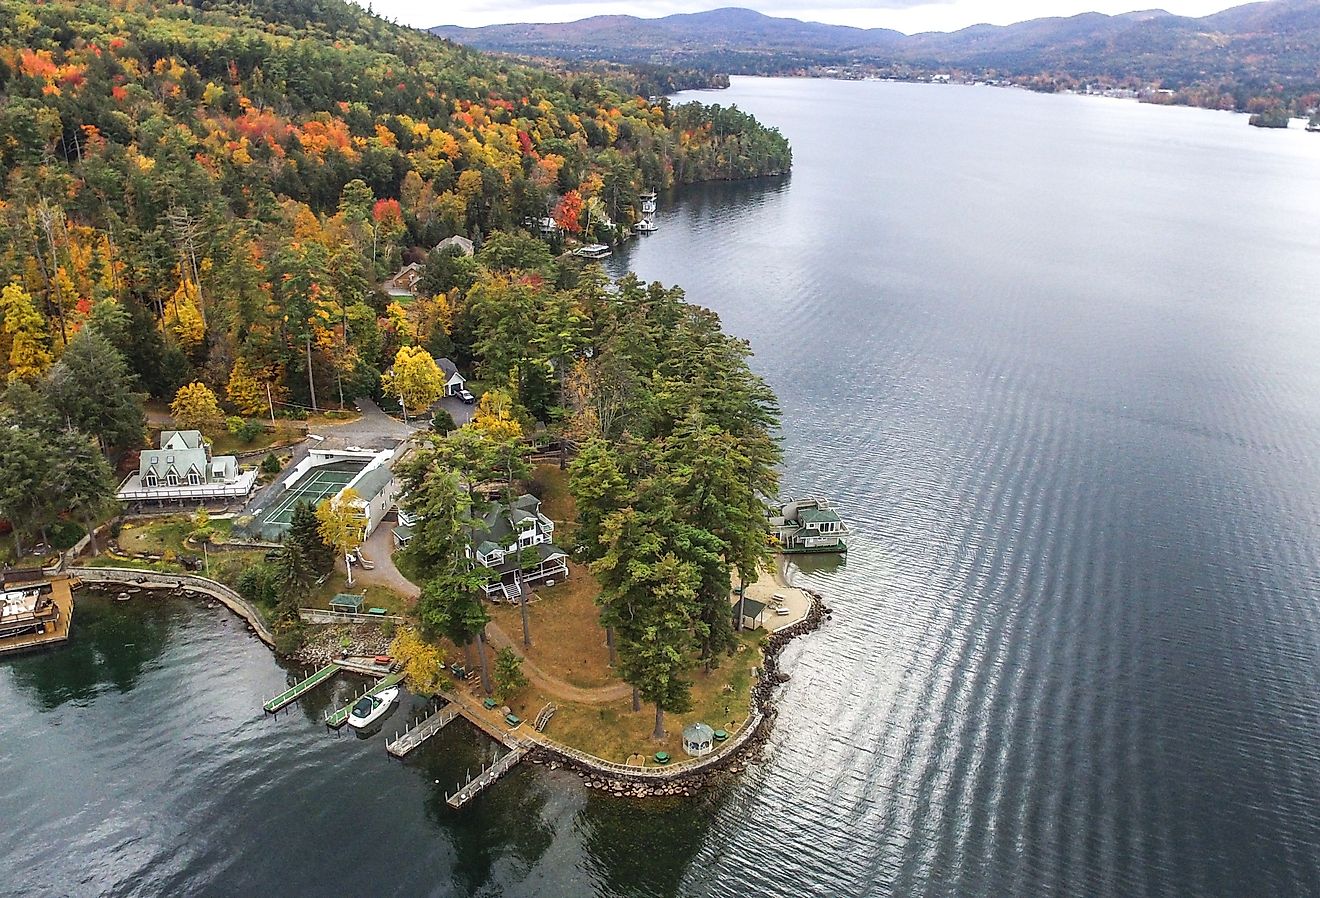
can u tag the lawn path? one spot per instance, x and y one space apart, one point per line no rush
378 548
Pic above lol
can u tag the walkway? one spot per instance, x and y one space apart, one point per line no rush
379 547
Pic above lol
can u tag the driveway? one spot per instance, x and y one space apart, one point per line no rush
374 429
459 410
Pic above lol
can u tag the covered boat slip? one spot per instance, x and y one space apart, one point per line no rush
35 614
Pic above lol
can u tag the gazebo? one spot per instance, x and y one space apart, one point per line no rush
752 614
698 739
347 603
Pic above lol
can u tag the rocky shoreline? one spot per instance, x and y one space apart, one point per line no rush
330 642
721 769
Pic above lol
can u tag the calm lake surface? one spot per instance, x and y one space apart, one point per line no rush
1058 361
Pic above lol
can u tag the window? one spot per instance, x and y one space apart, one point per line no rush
171 478
194 479
150 479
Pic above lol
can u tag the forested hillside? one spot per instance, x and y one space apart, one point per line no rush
235 178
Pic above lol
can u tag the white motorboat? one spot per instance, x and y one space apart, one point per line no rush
592 251
371 708
646 226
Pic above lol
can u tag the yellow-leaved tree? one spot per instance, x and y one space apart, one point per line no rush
29 341
342 525
183 315
196 408
423 662
252 392
494 416
415 378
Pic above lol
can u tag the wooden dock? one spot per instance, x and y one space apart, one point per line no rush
297 691
339 717
422 730
56 620
488 775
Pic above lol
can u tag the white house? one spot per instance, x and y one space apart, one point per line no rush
183 468
498 540
453 380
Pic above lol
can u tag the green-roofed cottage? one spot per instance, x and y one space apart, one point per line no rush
809 525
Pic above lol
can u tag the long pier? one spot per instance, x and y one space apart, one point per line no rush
415 735
339 717
473 787
297 691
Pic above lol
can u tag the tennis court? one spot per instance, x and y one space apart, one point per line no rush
315 485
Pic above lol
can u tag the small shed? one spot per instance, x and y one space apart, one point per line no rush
347 603
698 739
752 613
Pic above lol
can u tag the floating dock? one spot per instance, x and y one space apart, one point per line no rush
473 787
293 693
35 613
423 730
338 718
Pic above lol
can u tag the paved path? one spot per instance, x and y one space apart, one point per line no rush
378 548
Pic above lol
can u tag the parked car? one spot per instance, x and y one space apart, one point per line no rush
466 395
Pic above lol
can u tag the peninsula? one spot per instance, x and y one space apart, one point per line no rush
299 313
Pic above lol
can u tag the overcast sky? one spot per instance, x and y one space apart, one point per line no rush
905 15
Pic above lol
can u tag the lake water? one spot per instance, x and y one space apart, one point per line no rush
1058 361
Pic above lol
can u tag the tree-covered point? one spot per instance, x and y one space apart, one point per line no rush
240 176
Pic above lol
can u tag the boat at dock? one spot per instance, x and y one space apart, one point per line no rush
807 526
646 226
371 708
592 251
648 206
35 610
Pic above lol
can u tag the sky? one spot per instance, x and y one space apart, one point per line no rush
909 16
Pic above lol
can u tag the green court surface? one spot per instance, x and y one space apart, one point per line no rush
315 485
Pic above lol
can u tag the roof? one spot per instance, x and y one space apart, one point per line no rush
751 607
462 244
369 485
487 547
347 599
817 515
191 438
447 366
698 732
496 525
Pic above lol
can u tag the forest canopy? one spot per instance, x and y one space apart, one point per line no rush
239 178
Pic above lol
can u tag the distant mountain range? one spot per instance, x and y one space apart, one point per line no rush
1240 52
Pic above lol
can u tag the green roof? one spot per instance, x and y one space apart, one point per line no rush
348 600
750 607
817 516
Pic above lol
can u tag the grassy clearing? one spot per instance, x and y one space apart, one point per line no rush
567 639
550 485
377 596
285 432
614 731
158 536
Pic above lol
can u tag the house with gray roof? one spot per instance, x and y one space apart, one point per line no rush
457 245
183 468
809 525
515 544
453 380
